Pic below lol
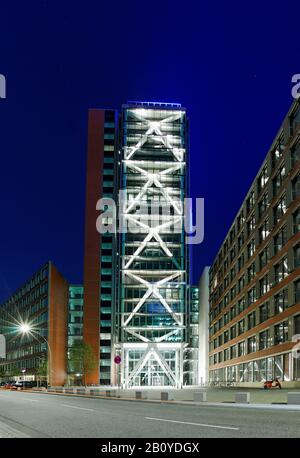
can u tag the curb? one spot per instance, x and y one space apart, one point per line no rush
289 407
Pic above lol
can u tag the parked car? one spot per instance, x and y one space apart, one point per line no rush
22 385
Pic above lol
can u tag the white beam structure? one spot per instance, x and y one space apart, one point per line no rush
153 275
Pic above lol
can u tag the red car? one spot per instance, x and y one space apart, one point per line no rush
268 384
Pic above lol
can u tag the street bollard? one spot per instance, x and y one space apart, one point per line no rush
200 396
242 398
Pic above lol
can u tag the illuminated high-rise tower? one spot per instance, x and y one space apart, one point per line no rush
152 306
136 302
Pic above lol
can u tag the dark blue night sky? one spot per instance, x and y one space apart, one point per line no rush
229 63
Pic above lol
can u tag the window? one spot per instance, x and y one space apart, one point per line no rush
297 291
280 239
251 272
263 231
232 235
251 246
263 178
232 253
251 296
264 340
296 220
226 282
241 283
281 301
233 332
241 305
250 225
264 312
251 344
240 220
251 320
221 322
281 333
250 202
240 241
220 340
294 120
241 327
241 348
296 186
215 327
233 351
241 261
296 256
233 312
277 181
279 209
281 270
226 336
232 274
226 354
297 324
264 285
263 205
225 264
263 258
277 153
295 153
226 318
232 292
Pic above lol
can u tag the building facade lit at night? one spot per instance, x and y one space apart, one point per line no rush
151 312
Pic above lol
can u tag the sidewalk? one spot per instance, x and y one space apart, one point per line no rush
225 397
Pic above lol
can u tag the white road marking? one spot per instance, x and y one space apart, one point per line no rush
75 407
27 399
193 424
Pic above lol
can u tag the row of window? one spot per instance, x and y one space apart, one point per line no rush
276 335
276 244
280 300
262 180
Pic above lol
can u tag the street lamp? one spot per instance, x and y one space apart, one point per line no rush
23 370
24 328
27 328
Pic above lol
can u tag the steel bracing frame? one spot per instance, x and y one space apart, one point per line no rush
158 338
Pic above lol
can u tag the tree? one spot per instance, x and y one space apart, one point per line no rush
82 359
42 369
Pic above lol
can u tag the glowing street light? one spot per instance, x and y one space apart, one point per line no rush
25 328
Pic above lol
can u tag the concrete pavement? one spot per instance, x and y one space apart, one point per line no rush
45 415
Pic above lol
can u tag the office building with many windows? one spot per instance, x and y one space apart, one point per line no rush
136 300
34 323
100 249
255 278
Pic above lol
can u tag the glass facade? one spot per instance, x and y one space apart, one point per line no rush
152 305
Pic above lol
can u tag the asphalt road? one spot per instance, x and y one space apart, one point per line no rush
25 414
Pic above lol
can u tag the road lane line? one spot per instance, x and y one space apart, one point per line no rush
75 407
194 424
27 399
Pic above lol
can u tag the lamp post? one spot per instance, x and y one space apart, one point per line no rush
23 371
26 328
